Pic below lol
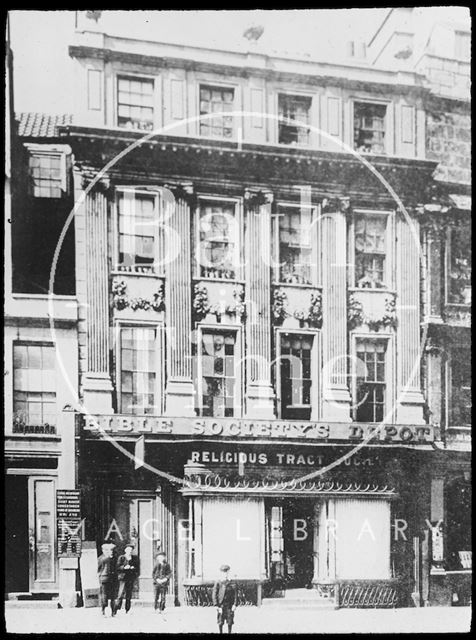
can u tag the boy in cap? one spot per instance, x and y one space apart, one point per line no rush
225 598
107 577
160 575
127 571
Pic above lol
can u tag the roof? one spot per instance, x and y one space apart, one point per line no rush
41 125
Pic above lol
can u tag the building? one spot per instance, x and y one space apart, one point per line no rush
250 298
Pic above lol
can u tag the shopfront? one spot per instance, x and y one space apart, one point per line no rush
285 513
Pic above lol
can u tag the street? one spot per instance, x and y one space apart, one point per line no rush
248 620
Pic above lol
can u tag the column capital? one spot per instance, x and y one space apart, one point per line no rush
183 191
103 185
335 204
258 197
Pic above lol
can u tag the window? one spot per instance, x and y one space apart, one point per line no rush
459 265
218 373
218 101
370 250
296 109
47 175
459 400
462 45
138 370
218 232
369 127
295 257
135 103
370 379
296 379
34 388
137 213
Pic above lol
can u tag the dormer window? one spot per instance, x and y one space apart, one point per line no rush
135 103
369 127
294 117
47 175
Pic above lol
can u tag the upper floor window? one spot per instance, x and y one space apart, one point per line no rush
219 102
294 117
458 280
34 388
370 239
369 127
295 257
296 378
137 228
47 175
459 387
138 370
219 385
462 45
370 380
135 103
218 240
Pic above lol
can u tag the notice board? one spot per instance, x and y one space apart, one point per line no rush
68 523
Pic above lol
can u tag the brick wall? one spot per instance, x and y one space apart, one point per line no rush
448 140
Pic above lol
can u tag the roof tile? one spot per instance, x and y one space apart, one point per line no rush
41 125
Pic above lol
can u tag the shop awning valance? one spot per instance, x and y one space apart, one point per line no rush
216 484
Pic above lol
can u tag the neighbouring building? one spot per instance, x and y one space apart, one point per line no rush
253 324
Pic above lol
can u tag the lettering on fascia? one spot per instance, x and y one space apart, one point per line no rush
237 428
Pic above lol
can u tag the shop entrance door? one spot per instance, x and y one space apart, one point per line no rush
17 544
136 517
290 541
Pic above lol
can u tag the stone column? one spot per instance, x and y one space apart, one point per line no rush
433 302
336 396
178 311
409 395
260 393
97 386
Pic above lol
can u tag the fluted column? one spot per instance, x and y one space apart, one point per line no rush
336 396
409 395
178 311
97 386
260 393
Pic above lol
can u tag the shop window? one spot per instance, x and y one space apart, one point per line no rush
370 242
458 276
458 525
138 370
459 397
219 102
135 103
296 379
218 239
294 245
47 175
137 227
294 117
369 127
370 375
219 385
34 388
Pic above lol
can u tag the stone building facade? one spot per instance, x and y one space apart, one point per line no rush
244 368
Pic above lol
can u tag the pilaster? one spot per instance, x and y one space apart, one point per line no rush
259 391
409 396
178 313
336 395
97 386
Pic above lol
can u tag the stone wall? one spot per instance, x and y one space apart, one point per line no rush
448 140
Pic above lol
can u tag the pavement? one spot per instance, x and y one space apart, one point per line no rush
197 620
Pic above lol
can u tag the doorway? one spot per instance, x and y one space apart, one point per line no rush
291 542
17 543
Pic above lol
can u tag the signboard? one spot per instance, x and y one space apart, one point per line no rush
88 568
68 523
251 429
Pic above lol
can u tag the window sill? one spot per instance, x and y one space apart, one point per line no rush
373 290
220 280
118 272
297 285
